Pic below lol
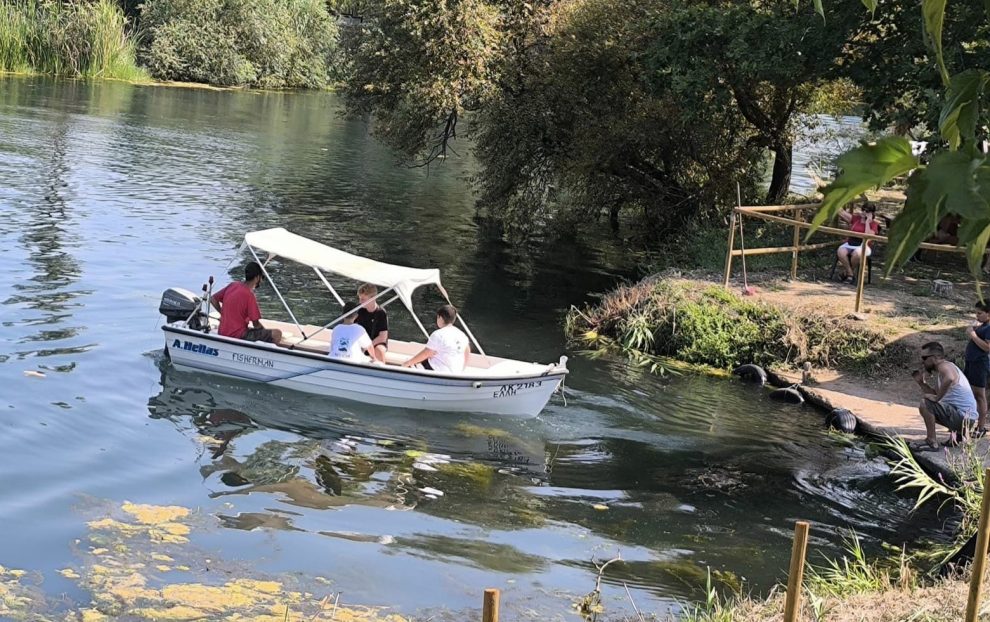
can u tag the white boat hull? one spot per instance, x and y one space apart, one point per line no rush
514 394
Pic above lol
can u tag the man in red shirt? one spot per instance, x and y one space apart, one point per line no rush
238 308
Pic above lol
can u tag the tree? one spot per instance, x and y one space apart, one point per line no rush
576 132
955 180
418 65
567 127
764 58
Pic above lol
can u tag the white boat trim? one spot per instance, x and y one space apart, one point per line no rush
519 394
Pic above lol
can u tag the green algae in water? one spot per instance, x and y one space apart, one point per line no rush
477 431
124 568
479 475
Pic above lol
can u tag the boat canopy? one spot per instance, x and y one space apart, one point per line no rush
281 243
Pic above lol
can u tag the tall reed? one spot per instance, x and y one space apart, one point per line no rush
86 39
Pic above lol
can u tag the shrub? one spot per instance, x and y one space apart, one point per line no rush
260 43
712 326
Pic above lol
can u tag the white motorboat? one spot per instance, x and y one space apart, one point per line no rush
488 384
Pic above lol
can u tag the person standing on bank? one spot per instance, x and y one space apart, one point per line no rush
447 349
950 403
977 367
374 319
240 317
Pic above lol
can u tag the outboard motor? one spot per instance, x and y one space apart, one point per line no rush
179 305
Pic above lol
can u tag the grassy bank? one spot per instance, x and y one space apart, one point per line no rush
73 39
701 323
256 43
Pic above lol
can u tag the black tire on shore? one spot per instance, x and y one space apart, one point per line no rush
841 419
788 394
751 373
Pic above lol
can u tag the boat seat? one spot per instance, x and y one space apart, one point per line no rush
394 358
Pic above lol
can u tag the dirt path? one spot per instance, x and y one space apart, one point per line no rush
884 399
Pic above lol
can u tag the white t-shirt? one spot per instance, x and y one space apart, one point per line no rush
348 341
449 343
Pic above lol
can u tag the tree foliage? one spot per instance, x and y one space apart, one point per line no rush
569 120
418 65
766 59
577 132
895 68
956 179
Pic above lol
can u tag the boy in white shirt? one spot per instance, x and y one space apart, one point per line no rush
447 349
348 340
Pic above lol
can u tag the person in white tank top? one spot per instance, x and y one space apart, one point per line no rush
950 403
447 349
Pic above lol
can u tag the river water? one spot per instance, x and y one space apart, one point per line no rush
109 193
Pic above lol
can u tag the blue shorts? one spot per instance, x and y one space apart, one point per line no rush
976 371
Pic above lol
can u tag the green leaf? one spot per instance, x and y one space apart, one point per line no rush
933 12
974 235
865 167
961 109
951 178
871 5
819 8
916 221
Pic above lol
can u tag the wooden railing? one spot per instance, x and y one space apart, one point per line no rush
769 213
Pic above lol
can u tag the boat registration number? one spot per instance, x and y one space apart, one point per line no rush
508 390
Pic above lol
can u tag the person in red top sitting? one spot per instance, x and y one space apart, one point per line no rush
238 308
851 251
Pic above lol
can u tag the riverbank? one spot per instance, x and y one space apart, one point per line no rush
74 39
218 44
861 362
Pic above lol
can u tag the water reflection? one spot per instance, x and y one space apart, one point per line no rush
672 506
46 223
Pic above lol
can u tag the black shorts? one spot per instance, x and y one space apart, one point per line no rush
977 371
259 334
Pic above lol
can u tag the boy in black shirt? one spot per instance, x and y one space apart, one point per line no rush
977 367
374 319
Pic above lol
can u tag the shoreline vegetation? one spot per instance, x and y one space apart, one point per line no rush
84 39
702 324
263 44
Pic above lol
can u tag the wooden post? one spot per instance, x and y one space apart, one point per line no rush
979 566
795 576
728 252
489 610
861 277
797 241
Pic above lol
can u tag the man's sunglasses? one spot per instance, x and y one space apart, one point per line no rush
925 357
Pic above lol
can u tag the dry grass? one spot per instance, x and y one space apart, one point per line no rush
942 602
